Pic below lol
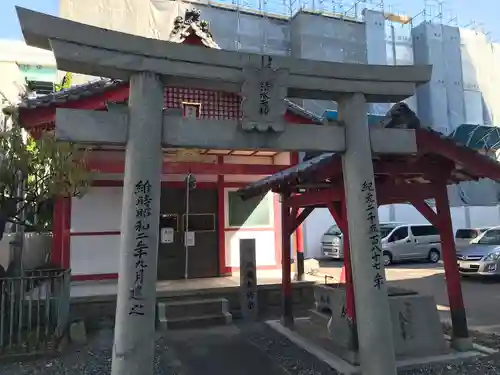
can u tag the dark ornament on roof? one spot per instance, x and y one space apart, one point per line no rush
191 17
401 116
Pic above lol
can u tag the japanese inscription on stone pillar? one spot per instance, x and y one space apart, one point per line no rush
368 191
264 92
142 197
405 319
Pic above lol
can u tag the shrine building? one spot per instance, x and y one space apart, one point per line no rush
86 231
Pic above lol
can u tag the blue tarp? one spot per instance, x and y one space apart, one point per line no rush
332 115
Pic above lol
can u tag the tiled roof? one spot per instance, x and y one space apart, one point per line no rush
100 86
74 93
294 174
303 172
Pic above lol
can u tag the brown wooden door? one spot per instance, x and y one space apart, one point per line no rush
203 259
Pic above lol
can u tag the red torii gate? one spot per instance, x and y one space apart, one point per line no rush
413 179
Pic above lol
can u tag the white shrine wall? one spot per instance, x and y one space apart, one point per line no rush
95 232
95 219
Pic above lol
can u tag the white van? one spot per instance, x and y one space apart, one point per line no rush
412 242
331 241
400 242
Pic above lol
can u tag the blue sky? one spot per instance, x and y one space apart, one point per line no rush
483 12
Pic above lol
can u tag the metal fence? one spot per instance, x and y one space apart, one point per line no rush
34 311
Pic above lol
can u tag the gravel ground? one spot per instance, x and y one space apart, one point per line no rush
95 357
91 359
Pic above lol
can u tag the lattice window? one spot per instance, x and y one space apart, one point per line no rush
215 105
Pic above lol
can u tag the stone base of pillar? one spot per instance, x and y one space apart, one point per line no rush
287 321
462 344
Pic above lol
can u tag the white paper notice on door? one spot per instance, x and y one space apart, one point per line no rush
167 235
189 238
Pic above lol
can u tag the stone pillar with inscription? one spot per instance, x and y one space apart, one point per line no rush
133 350
372 303
248 279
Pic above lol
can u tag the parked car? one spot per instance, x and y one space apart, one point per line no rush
465 236
412 242
400 242
331 241
482 256
36 249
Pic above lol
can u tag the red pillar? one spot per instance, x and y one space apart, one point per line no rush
286 280
299 238
66 234
299 244
224 270
339 213
457 309
56 254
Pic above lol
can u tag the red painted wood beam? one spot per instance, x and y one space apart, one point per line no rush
398 193
315 198
426 212
335 209
31 118
386 194
110 166
391 168
407 167
338 210
481 165
449 254
301 217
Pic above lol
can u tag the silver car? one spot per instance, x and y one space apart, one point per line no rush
482 257
331 241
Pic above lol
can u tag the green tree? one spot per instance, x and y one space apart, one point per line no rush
49 168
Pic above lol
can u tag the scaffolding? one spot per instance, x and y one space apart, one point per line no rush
267 14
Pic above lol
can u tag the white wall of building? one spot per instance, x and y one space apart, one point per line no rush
95 233
14 53
94 250
320 220
265 244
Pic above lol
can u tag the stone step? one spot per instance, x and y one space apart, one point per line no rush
196 322
318 317
193 313
194 308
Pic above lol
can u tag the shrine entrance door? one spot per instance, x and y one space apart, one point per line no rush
203 255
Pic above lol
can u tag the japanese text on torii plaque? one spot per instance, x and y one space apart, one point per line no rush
264 91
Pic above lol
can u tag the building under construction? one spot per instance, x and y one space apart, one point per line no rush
463 85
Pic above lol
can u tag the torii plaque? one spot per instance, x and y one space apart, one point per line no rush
144 128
